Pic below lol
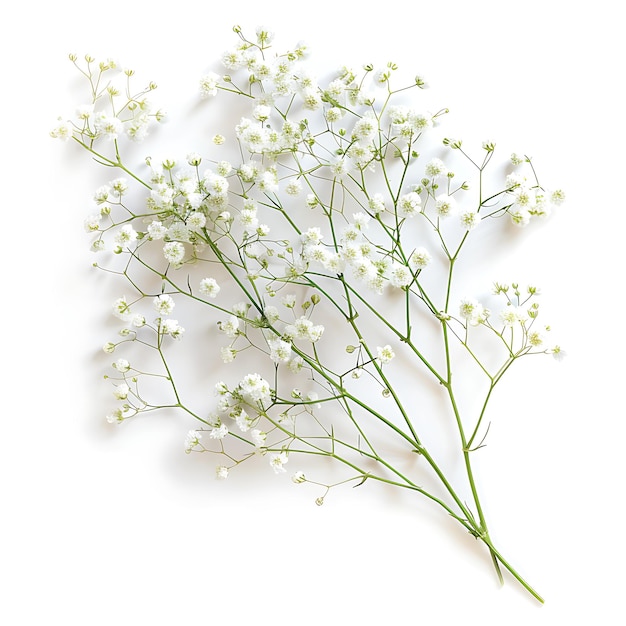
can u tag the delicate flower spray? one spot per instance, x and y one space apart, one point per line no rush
324 250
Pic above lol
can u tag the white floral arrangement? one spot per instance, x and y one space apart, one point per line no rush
317 244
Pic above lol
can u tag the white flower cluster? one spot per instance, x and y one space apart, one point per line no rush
365 261
528 200
519 316
358 220
111 113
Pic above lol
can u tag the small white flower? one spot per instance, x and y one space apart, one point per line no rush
156 230
92 223
194 159
334 114
277 462
125 235
121 391
172 328
298 478
419 259
242 419
469 219
558 353
121 309
261 112
221 472
293 188
174 252
192 440
197 220
303 328
435 167
62 131
228 354
513 315
230 326
208 84
108 126
258 437
377 203
473 311
221 389
115 417
209 287
271 314
164 304
289 301
312 236
557 197
400 275
280 351
255 388
101 194
409 204
219 432
119 187
241 309
122 365
445 205
361 220
385 354
296 364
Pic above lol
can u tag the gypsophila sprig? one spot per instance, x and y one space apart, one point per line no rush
322 210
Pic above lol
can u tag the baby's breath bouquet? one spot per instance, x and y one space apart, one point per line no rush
319 247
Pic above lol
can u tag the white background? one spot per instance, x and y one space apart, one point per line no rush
102 525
